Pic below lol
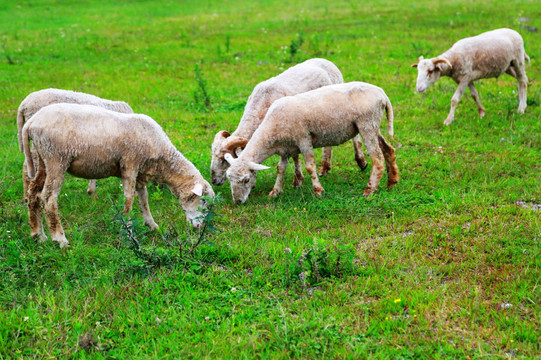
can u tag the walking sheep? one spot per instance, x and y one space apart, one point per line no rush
309 75
93 143
483 56
38 99
327 116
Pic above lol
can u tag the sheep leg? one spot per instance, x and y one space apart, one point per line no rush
128 185
326 160
33 190
310 163
370 139
390 162
299 177
475 96
281 169
359 154
522 86
511 71
49 197
142 193
91 190
454 101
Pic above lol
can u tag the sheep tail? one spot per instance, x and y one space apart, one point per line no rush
27 154
389 108
20 124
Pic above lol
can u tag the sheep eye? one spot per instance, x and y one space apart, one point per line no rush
246 180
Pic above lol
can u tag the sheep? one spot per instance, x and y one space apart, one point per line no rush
309 75
38 99
93 143
327 116
487 55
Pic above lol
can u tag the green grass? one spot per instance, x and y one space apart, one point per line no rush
424 270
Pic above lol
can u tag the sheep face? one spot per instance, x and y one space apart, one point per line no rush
242 180
218 165
194 204
242 176
224 144
428 74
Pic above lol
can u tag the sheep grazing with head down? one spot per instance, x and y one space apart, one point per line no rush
93 143
327 116
309 75
483 56
38 99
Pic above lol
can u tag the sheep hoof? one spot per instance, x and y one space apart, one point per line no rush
368 191
362 164
481 113
152 226
40 237
391 183
318 191
521 110
297 181
61 240
274 193
324 170
448 121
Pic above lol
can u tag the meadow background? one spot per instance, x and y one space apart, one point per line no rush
445 265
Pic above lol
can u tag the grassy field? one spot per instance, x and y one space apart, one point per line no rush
445 265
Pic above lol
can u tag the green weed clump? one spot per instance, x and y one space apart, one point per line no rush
318 262
149 257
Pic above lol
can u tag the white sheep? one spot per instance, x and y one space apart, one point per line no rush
309 75
93 143
487 55
327 116
38 99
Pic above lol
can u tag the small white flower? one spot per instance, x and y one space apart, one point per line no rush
26 318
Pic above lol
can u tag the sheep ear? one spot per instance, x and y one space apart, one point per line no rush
257 167
198 189
418 60
438 61
234 142
224 134
229 158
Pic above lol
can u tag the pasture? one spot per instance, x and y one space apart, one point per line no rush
444 265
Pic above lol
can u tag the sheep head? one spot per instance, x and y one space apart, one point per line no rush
242 176
223 144
429 71
193 204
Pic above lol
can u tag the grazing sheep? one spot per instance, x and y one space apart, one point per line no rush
483 56
36 100
93 143
309 75
327 116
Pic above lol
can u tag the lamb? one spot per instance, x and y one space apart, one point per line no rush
327 116
93 143
309 75
483 56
